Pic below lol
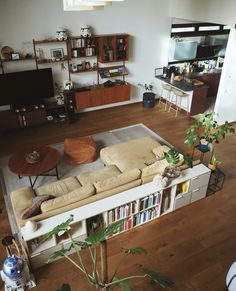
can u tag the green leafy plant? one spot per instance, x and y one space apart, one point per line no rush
207 128
172 156
91 242
214 161
146 87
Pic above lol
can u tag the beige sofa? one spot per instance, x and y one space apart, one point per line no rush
126 165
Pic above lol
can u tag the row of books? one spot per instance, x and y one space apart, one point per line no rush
139 218
150 201
122 211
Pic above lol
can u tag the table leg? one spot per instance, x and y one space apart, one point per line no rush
57 173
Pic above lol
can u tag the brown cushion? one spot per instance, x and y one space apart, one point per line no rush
35 208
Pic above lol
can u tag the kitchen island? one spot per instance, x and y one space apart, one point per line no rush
197 93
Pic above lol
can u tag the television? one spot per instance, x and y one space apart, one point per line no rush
26 87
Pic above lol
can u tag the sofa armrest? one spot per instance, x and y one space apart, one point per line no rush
21 199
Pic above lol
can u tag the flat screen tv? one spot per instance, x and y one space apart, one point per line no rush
26 87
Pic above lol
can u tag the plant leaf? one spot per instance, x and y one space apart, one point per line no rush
101 235
64 287
188 160
124 285
160 279
136 251
61 227
57 254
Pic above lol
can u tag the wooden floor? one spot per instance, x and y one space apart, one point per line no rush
194 245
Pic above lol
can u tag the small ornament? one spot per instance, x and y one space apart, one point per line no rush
61 34
86 31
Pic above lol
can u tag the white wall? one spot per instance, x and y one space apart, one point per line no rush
216 11
226 98
146 21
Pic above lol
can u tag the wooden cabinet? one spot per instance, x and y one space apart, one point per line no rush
101 95
10 119
113 48
212 80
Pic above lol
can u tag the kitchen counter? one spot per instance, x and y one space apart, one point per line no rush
183 85
197 94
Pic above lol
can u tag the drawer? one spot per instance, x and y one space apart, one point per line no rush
199 193
182 200
199 181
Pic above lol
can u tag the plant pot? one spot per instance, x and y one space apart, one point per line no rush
203 148
149 99
212 167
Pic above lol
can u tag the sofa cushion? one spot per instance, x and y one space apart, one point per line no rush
69 198
59 188
98 175
160 151
130 155
156 168
118 180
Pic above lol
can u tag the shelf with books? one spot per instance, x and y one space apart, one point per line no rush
150 201
122 212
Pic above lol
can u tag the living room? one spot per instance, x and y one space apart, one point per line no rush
205 241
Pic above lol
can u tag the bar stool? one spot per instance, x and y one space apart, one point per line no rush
165 94
177 98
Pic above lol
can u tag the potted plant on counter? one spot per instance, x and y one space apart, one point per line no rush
148 95
206 131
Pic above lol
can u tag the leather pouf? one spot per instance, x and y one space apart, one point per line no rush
80 150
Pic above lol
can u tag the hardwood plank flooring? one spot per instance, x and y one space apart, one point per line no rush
194 245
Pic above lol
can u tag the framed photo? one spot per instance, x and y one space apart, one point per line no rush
57 54
15 56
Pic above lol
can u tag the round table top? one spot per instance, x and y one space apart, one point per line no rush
49 159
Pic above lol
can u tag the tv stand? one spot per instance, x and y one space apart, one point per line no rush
22 116
25 116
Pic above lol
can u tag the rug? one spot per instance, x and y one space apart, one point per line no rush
10 181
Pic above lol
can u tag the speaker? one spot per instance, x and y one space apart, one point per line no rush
69 99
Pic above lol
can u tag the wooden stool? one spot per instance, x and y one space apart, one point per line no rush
165 94
177 97
80 150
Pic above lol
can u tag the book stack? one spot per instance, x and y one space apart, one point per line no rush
122 212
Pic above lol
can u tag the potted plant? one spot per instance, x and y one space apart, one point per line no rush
213 163
148 95
98 277
206 131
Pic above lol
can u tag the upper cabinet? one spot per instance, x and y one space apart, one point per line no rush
113 48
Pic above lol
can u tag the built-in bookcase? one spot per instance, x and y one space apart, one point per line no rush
136 212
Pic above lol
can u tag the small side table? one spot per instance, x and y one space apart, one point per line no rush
216 181
202 151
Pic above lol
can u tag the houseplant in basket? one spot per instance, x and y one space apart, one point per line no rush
206 131
148 95
95 277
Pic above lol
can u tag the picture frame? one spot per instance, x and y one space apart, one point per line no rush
57 54
15 56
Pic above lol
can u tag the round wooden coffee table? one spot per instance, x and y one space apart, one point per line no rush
49 160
